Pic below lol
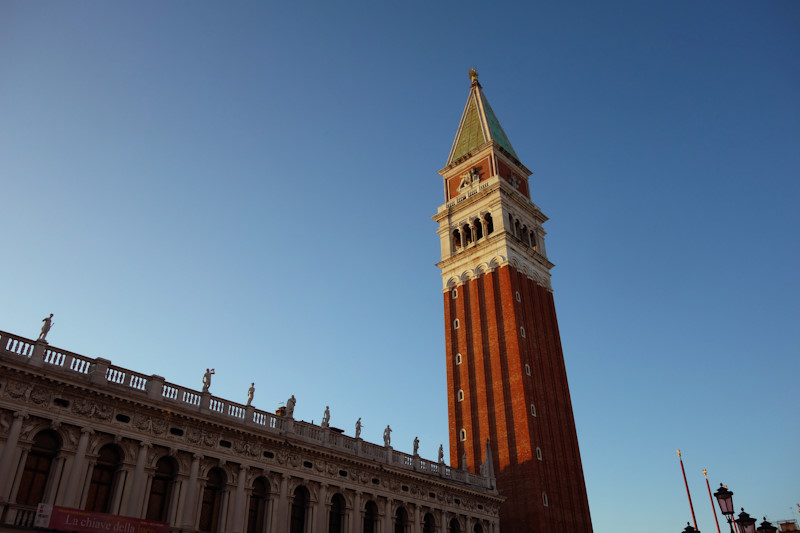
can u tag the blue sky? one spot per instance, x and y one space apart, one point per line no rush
249 187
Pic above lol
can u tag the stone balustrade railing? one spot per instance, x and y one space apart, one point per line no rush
102 373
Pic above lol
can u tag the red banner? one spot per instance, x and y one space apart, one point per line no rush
66 519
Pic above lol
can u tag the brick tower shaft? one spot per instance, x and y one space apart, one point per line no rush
506 377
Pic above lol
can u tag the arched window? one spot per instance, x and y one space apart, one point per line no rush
467 234
103 475
212 500
528 369
338 510
462 434
489 225
371 517
428 524
458 358
534 244
538 453
456 239
525 235
460 395
522 331
544 500
161 490
533 410
400 520
299 507
456 324
478 229
257 507
454 527
477 529
37 468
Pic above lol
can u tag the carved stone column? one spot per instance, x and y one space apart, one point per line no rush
283 504
239 502
133 504
190 503
73 493
417 519
386 526
322 509
9 451
356 522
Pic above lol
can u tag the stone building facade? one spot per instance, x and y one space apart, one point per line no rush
81 433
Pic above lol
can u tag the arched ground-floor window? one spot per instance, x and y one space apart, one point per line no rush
299 507
257 507
371 517
428 524
212 500
336 518
37 468
101 486
161 490
400 520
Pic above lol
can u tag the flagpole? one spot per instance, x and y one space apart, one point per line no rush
691 507
705 474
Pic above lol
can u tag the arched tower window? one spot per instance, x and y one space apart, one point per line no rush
103 476
534 244
212 500
525 236
462 434
467 234
299 507
336 518
257 506
371 517
478 229
456 239
161 490
488 222
37 468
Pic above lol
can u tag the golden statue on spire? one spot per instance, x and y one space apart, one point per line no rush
473 75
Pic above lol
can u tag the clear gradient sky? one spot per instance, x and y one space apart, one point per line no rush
249 185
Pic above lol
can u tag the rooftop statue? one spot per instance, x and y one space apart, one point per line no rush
207 379
416 445
387 436
48 323
250 392
358 428
290 406
326 417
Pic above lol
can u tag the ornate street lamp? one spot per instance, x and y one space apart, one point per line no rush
746 523
690 529
766 527
725 500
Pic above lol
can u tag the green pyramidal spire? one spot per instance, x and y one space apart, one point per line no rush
478 125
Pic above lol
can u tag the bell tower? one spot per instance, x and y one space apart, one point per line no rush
506 378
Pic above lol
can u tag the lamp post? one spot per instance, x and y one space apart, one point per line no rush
725 500
766 527
746 523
